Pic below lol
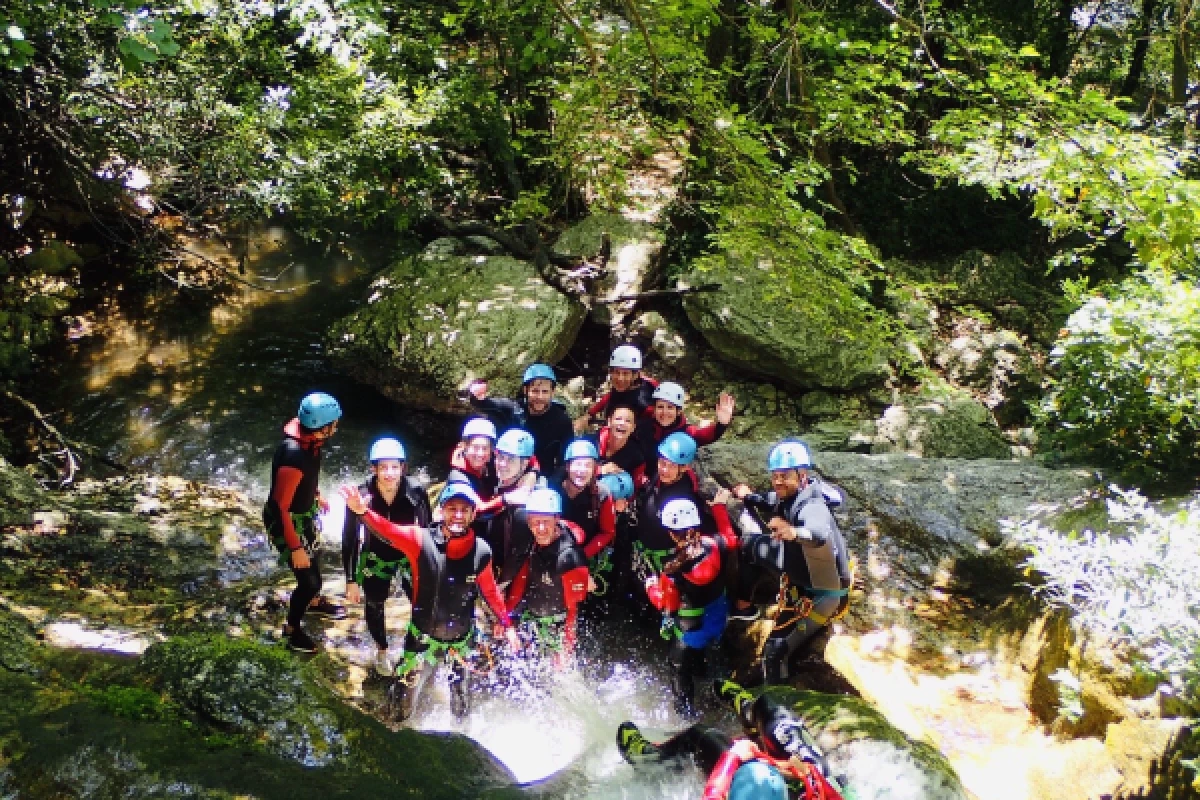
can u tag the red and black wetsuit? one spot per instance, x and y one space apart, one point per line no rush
592 510
504 534
551 430
370 561
639 397
656 494
290 511
552 582
695 585
651 434
632 457
448 574
483 482
805 781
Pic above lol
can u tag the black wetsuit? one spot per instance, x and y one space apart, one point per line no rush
371 562
297 528
551 430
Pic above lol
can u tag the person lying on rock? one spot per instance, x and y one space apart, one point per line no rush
516 475
473 462
370 562
290 514
690 593
653 544
667 418
587 504
535 411
778 759
627 387
621 450
800 558
451 568
543 599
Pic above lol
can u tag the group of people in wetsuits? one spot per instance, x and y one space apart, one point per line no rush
538 513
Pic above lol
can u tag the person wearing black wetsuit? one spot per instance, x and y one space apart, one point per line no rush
588 504
778 758
371 563
290 514
535 411
451 568
628 386
516 475
473 462
802 552
666 417
621 450
544 597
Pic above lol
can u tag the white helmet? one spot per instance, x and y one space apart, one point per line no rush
479 427
671 392
626 357
680 514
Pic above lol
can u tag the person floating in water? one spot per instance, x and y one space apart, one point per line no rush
292 508
451 568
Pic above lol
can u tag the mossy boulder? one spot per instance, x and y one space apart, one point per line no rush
873 758
636 246
786 321
940 423
433 323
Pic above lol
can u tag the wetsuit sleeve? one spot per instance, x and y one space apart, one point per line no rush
574 588
708 568
724 525
721 778
707 433
663 594
405 538
287 479
489 507
597 408
757 502
516 589
818 521
606 526
351 546
500 410
486 582
575 530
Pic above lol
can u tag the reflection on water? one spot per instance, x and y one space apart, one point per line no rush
205 395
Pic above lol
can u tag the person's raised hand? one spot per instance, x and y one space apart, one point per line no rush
478 389
741 491
354 500
581 424
514 641
722 497
725 406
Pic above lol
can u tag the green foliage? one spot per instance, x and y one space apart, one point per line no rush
130 702
1127 390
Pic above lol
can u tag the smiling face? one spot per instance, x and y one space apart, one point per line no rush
388 473
621 378
581 471
668 471
457 516
544 527
509 468
621 423
786 482
538 394
665 413
478 452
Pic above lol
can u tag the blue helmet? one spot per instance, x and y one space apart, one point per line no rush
516 442
386 448
678 448
535 371
543 501
757 780
581 448
791 454
458 489
318 410
619 485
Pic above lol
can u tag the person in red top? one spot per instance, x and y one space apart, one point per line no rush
544 597
628 386
619 447
784 763
290 513
451 568
589 505
690 593
473 462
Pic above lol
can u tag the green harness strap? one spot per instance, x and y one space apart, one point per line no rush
545 629
652 558
598 567
305 525
669 629
370 565
435 650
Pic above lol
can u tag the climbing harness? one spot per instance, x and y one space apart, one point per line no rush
307 525
598 566
647 562
543 632
797 603
370 565
435 650
670 629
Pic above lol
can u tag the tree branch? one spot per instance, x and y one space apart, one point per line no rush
232 274
649 294
69 445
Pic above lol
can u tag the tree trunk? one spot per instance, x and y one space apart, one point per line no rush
1137 64
1060 39
1182 55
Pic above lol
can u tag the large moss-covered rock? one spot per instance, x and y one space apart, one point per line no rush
636 246
433 323
875 759
948 425
776 319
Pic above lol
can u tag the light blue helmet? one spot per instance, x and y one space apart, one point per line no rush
318 410
458 489
535 371
619 485
757 780
792 454
671 392
387 448
543 501
581 448
678 448
516 442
